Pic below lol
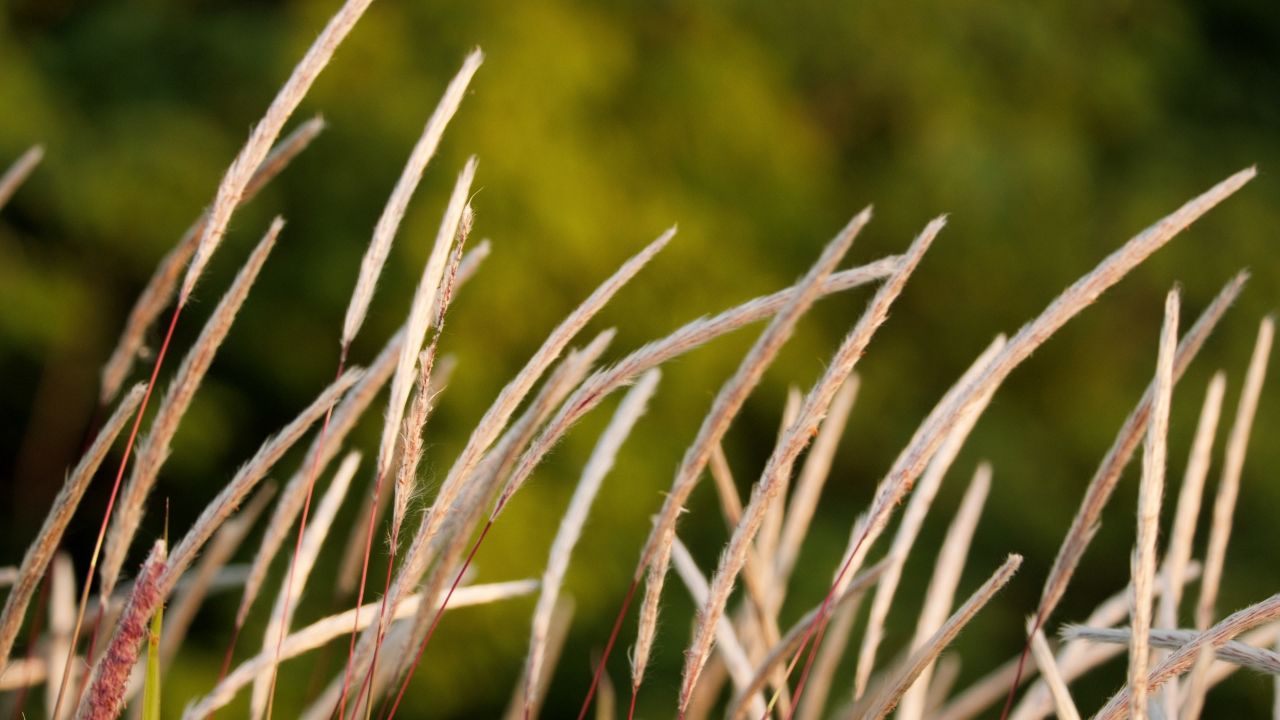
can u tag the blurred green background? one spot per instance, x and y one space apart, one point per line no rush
1050 134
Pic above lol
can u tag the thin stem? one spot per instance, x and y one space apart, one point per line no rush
608 648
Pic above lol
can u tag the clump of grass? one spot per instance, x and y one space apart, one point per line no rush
772 673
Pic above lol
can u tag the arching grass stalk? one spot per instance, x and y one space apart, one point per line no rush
1071 302
456 223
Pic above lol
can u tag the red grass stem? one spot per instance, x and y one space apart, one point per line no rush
820 625
435 622
1022 663
608 648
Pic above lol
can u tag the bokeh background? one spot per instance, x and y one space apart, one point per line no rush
1050 134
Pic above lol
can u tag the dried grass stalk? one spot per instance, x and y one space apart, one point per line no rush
575 517
383 233
1184 522
1098 493
105 698
942 586
1062 701
433 292
500 412
444 531
1224 506
656 555
291 594
758 624
41 550
1241 654
687 338
782 460
887 697
1074 299
247 478
564 378
325 447
690 336
1075 659
240 173
450 545
18 172
703 330
411 442
482 489
1084 524
1104 480
155 297
1265 635
497 415
1150 494
155 447
487 431
787 645
1117 708
731 651
466 508
808 487
322 631
913 520
349 566
420 316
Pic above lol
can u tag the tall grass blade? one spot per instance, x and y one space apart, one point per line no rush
1150 495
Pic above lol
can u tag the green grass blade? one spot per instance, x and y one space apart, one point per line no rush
151 690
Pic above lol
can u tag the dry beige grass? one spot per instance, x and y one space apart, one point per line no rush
942 586
1150 495
526 421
